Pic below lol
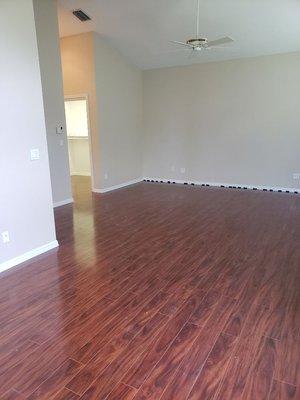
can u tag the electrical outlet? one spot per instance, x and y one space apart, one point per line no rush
34 154
59 130
296 176
5 237
182 170
105 176
173 168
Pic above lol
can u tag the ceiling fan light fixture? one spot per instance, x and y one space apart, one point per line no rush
198 43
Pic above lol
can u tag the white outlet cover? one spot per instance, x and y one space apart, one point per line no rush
173 168
5 237
182 170
59 129
105 176
296 176
34 154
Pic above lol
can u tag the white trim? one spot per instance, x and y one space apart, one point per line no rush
63 202
28 255
121 185
226 185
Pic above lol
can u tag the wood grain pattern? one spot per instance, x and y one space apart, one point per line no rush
121 330
122 392
12 395
113 373
10 359
51 386
193 362
259 381
283 391
66 394
214 369
162 292
165 369
138 373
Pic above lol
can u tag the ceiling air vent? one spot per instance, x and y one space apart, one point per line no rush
81 15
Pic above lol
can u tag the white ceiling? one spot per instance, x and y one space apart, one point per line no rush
142 29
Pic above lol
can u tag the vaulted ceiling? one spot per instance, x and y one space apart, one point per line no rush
142 29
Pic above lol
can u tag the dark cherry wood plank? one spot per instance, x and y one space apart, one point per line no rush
205 308
122 392
288 360
214 370
168 364
139 372
183 292
51 386
106 353
259 381
10 359
120 330
251 367
12 395
66 394
113 374
193 362
283 391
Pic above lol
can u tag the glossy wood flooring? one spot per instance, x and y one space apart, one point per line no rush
160 292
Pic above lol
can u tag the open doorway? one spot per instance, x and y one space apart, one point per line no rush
79 141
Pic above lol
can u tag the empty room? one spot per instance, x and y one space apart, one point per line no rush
150 200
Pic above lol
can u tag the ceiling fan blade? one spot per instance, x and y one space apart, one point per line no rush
181 43
218 42
192 54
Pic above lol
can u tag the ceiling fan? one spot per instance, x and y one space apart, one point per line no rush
198 43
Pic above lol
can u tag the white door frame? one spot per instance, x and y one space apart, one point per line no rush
85 97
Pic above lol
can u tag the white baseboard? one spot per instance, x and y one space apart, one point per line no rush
225 185
63 202
121 185
28 255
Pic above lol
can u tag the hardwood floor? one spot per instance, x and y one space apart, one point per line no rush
160 292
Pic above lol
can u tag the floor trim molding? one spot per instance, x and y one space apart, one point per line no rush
28 255
119 186
63 202
225 185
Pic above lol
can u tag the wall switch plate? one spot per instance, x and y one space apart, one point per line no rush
182 170
296 176
5 237
105 176
59 129
34 154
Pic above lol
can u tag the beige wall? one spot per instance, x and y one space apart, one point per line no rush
77 53
225 122
25 192
119 93
50 64
114 87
